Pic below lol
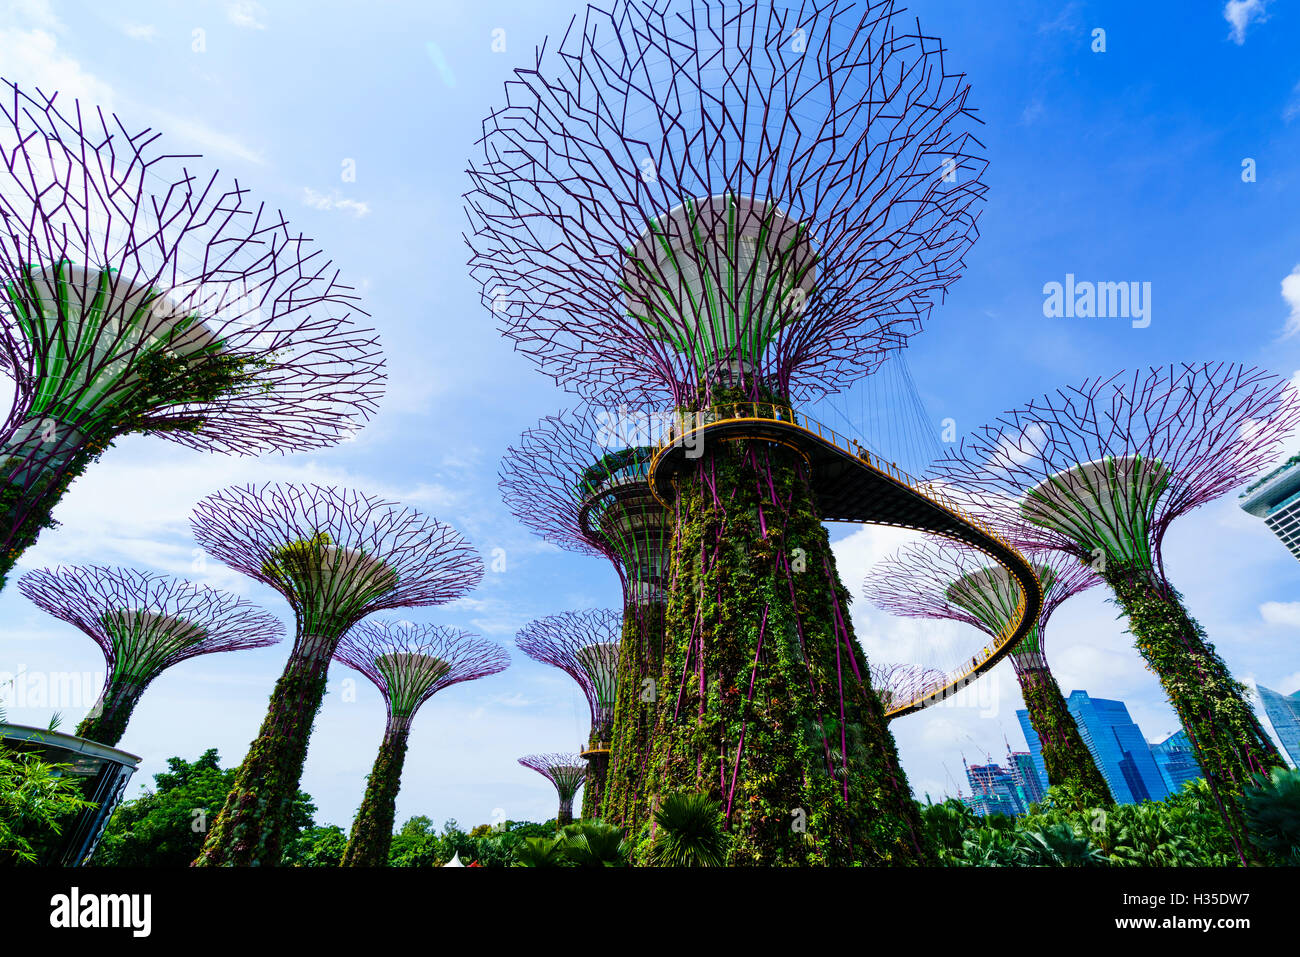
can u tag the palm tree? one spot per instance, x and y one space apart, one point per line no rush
689 832
590 843
540 852
1273 815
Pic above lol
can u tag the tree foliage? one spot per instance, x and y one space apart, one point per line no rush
166 826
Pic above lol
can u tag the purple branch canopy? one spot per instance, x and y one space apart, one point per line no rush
933 578
145 623
540 475
566 771
897 684
335 554
1104 467
141 296
410 663
579 480
584 645
685 195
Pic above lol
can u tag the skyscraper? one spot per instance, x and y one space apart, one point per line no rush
1117 745
1177 761
1035 750
1026 775
994 790
1280 715
1275 498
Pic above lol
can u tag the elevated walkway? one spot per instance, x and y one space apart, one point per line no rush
852 485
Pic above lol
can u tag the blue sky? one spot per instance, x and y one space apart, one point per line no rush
1123 165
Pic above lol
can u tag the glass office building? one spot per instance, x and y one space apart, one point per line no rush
1121 752
1176 761
1280 715
994 790
1022 766
1276 499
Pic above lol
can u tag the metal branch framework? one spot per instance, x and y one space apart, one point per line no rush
566 773
409 664
141 296
579 482
1107 465
336 555
1100 471
144 623
898 683
687 195
584 645
940 579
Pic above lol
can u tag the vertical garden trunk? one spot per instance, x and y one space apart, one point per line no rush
1227 738
372 831
640 675
766 703
252 825
1069 762
565 814
107 720
593 788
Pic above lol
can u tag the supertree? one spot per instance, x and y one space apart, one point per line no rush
144 624
140 296
936 579
1100 471
714 203
566 771
579 481
336 555
409 664
896 683
584 645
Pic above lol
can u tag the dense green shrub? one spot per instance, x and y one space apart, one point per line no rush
1184 830
36 800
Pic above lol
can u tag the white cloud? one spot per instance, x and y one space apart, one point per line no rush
1292 108
334 201
36 13
32 58
1291 293
246 14
30 53
140 31
1240 14
206 137
1281 613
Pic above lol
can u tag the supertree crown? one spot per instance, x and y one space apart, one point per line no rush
140 297
1103 468
335 554
897 685
689 194
940 579
565 771
410 663
581 482
145 623
584 645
